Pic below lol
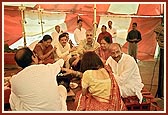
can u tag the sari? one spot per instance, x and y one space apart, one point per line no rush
89 103
38 48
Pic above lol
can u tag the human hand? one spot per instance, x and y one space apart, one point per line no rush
75 62
67 71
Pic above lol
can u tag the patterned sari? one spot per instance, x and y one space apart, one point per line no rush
89 103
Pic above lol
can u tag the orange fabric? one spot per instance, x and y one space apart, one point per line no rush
50 58
149 9
89 103
12 26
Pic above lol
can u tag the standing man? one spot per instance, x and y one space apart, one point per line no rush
133 37
112 31
103 34
55 35
79 33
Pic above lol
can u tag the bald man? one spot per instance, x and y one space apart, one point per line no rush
35 87
126 72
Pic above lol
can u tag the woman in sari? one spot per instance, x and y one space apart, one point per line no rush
103 51
100 91
44 50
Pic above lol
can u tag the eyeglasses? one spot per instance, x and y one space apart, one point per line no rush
89 35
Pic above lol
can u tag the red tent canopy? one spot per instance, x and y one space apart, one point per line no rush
13 27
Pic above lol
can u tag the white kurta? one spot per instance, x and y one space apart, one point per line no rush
79 35
113 33
63 53
55 37
35 89
126 73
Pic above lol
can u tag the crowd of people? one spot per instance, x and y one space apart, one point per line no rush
107 74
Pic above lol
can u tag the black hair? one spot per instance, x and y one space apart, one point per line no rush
45 38
134 23
62 35
90 61
23 57
80 20
104 26
107 39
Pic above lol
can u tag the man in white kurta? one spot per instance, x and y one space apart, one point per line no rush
55 35
64 50
126 72
79 33
112 31
35 88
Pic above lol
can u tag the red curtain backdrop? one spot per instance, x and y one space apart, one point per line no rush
12 26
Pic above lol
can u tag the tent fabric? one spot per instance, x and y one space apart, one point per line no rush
66 15
147 46
12 26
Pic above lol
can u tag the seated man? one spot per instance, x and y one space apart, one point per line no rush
63 49
126 72
88 44
35 87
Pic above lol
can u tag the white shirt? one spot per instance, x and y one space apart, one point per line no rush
55 37
79 35
126 73
35 89
113 33
61 51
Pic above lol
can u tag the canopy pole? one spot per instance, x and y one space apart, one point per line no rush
95 23
22 9
41 21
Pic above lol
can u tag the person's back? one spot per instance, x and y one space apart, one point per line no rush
100 91
99 84
35 89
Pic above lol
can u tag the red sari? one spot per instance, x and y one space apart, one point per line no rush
50 58
89 103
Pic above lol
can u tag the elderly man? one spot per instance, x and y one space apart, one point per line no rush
88 44
126 72
35 87
56 34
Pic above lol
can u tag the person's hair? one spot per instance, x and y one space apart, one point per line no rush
62 35
104 26
90 61
110 21
57 26
23 57
107 39
80 20
66 33
134 23
45 38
